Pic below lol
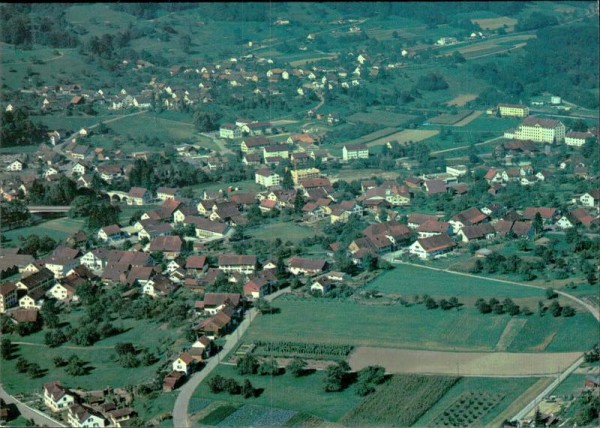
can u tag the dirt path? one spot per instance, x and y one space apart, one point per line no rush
498 364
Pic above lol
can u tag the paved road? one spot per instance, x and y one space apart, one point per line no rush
180 410
38 417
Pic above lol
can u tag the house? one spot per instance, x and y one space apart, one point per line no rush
201 347
159 286
577 139
434 227
16 165
196 264
355 151
434 187
237 263
170 246
469 217
80 416
427 248
110 233
523 229
207 229
254 144
62 292
513 110
591 198
119 417
548 215
184 363
256 289
477 232
322 285
276 150
57 398
540 130
138 196
581 216
417 219
173 380
564 223
44 278
230 131
267 178
165 193
301 265
214 302
215 326
8 296
138 274
151 229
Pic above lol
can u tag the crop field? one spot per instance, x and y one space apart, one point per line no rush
312 58
400 402
284 231
303 394
495 23
462 363
470 118
58 229
360 174
303 350
370 137
402 137
450 119
384 118
462 99
468 409
509 388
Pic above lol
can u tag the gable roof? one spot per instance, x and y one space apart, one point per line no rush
470 216
237 260
195 262
308 264
436 243
166 243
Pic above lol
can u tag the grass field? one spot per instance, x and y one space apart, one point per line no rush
405 136
450 119
495 23
461 99
304 394
284 231
100 356
400 402
384 118
58 229
510 388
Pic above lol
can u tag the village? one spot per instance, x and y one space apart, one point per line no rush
170 253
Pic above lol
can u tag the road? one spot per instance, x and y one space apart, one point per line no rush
180 410
38 417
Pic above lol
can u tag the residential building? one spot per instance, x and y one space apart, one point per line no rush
215 302
16 165
428 248
230 131
267 178
591 198
164 193
80 416
110 233
304 266
138 196
184 363
577 139
513 110
207 229
8 296
57 398
355 151
541 130
237 263
299 175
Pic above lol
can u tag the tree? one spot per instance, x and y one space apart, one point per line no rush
247 389
298 201
269 367
368 378
335 377
22 365
538 223
34 370
568 311
59 361
555 309
550 293
54 338
297 367
232 386
6 348
247 364
287 182
216 384
185 42
75 366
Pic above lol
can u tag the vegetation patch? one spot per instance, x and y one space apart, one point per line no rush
318 351
385 118
468 409
218 414
400 402
450 119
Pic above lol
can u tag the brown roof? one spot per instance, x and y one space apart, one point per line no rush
166 243
521 228
315 182
237 260
186 358
434 226
35 279
436 243
218 299
205 224
503 227
309 264
137 192
195 262
546 213
435 186
356 147
470 216
478 231
55 390
542 122
417 218
25 315
113 229
7 288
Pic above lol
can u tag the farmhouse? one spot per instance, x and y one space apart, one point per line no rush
300 265
434 227
110 233
8 296
184 363
355 151
207 229
469 217
138 196
427 248
173 380
256 288
477 232
591 198
267 178
237 263
164 193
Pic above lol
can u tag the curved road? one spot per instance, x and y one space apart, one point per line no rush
180 410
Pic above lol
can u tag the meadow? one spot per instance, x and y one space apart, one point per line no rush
58 229
284 231
384 118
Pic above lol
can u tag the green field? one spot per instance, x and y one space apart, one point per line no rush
100 356
284 231
304 394
58 229
415 327
511 388
383 118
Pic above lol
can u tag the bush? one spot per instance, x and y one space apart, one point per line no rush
216 384
297 367
247 364
231 386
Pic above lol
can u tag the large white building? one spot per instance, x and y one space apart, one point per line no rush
513 110
267 178
577 139
541 130
355 151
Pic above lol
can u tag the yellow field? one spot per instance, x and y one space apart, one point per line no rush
405 136
494 23
470 118
462 363
461 100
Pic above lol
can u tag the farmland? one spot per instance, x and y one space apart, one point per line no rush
58 229
405 136
304 394
415 327
383 118
495 23
400 401
450 119
461 100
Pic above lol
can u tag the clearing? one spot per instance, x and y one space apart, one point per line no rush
461 100
462 363
495 23
405 136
